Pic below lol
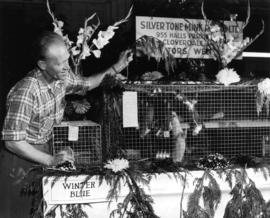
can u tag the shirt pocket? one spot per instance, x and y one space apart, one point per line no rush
46 118
46 125
59 114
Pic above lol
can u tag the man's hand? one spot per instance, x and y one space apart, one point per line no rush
66 155
31 153
124 59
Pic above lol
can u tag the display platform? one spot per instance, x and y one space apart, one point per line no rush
165 189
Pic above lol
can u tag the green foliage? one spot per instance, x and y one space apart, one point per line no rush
74 211
115 184
247 200
229 176
262 101
136 203
194 209
210 194
265 170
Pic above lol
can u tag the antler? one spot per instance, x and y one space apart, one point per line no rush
49 10
203 13
213 47
86 37
124 19
247 19
251 41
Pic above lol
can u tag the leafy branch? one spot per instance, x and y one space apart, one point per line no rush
136 203
247 200
211 195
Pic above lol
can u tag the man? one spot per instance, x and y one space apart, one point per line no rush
34 105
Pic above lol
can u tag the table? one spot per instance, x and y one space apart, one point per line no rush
163 188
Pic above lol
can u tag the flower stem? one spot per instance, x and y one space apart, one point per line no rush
182 195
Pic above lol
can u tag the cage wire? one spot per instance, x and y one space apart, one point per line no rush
84 137
213 118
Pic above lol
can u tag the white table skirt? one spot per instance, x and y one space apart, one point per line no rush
165 191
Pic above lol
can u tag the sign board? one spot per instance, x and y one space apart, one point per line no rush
74 190
183 37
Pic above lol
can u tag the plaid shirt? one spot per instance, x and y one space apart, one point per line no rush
33 106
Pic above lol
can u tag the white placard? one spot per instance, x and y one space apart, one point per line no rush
74 190
130 109
73 133
183 37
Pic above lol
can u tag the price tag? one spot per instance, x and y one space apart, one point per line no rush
166 134
73 133
130 109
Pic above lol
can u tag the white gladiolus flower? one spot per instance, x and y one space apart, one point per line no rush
227 76
58 27
81 30
80 38
67 41
60 23
104 37
117 165
264 86
110 31
100 42
57 30
97 53
86 52
215 33
75 51
84 44
215 28
84 33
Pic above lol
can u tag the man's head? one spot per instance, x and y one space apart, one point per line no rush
52 56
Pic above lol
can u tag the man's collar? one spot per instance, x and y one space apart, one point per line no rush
43 83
